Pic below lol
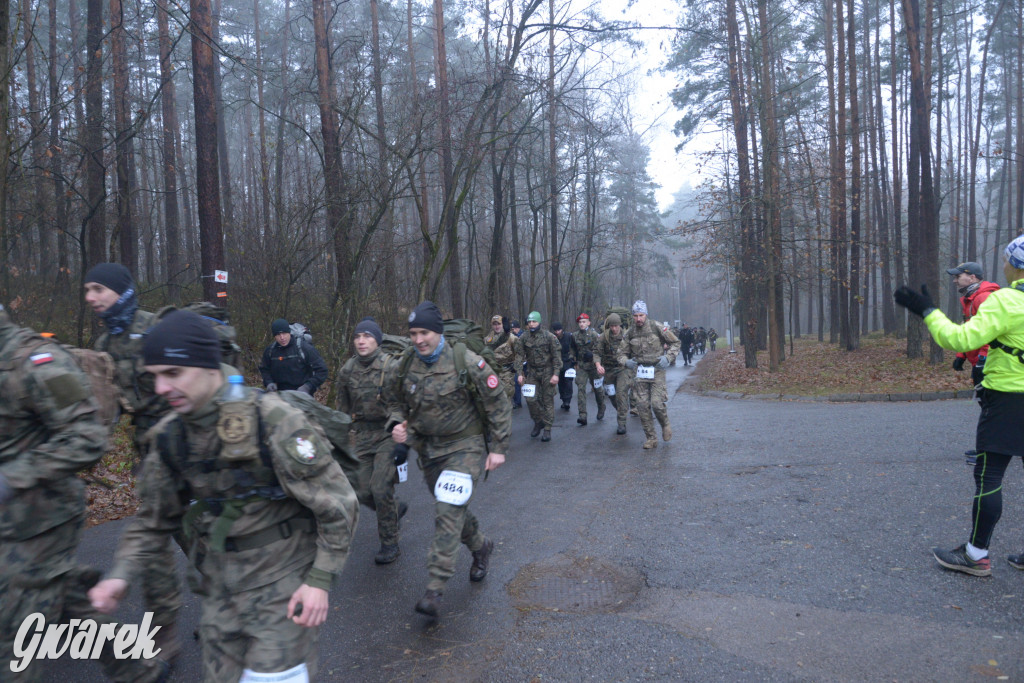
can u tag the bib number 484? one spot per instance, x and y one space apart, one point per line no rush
454 488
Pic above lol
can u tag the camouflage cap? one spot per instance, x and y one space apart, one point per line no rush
613 319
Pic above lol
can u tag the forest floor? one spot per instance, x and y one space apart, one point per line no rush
880 366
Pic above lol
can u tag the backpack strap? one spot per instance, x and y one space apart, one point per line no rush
1006 348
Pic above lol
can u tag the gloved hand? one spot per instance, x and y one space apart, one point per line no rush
307 388
400 453
662 363
958 364
588 357
631 364
6 492
917 303
271 387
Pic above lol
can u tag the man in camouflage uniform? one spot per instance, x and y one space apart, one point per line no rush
50 432
584 350
265 510
365 386
461 429
643 351
616 380
111 293
500 342
542 353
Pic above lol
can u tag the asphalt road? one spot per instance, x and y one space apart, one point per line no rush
767 541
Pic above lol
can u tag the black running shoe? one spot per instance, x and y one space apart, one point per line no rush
958 560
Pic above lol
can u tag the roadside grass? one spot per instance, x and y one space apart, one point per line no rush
880 366
110 483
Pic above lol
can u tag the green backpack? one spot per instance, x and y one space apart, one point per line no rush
230 351
335 425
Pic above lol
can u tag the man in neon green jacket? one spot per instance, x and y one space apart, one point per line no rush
1000 434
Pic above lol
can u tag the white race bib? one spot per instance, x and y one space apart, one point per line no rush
296 674
529 390
609 390
645 372
403 472
570 373
599 382
453 488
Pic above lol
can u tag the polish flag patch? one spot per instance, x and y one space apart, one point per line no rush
482 364
41 358
492 381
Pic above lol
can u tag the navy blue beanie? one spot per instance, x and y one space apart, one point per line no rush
427 316
369 326
182 338
112 276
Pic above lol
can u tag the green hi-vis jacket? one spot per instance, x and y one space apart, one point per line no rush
1000 317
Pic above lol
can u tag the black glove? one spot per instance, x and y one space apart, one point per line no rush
271 387
917 303
588 357
400 453
307 388
958 364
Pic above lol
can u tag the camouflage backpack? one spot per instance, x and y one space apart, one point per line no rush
336 427
230 351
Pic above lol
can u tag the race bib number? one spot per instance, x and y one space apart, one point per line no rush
453 488
599 382
529 390
645 372
296 674
403 472
570 373
609 390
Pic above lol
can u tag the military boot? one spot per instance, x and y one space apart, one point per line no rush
403 507
581 421
537 426
387 554
600 412
479 569
621 430
546 436
666 432
429 604
652 442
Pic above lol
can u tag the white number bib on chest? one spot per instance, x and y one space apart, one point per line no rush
645 372
529 390
453 488
570 373
296 674
599 382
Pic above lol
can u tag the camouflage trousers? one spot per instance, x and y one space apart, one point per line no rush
508 382
161 586
585 377
375 480
618 378
651 398
251 630
542 405
453 524
39 574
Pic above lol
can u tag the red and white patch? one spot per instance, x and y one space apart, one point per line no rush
492 381
41 358
481 364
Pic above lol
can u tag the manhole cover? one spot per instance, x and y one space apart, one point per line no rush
574 584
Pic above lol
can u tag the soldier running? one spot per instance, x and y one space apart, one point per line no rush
616 380
643 351
584 349
266 512
538 366
459 417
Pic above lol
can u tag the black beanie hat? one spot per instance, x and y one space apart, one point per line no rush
278 326
428 317
182 338
555 327
370 327
112 276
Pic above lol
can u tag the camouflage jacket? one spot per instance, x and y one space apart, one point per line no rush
582 342
608 349
289 481
366 388
646 344
541 351
503 347
438 407
137 385
48 432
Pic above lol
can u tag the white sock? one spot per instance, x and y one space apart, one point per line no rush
976 553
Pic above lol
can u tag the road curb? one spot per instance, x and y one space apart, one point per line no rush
838 398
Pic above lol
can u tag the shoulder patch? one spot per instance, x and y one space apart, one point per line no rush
41 358
302 446
492 381
482 364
